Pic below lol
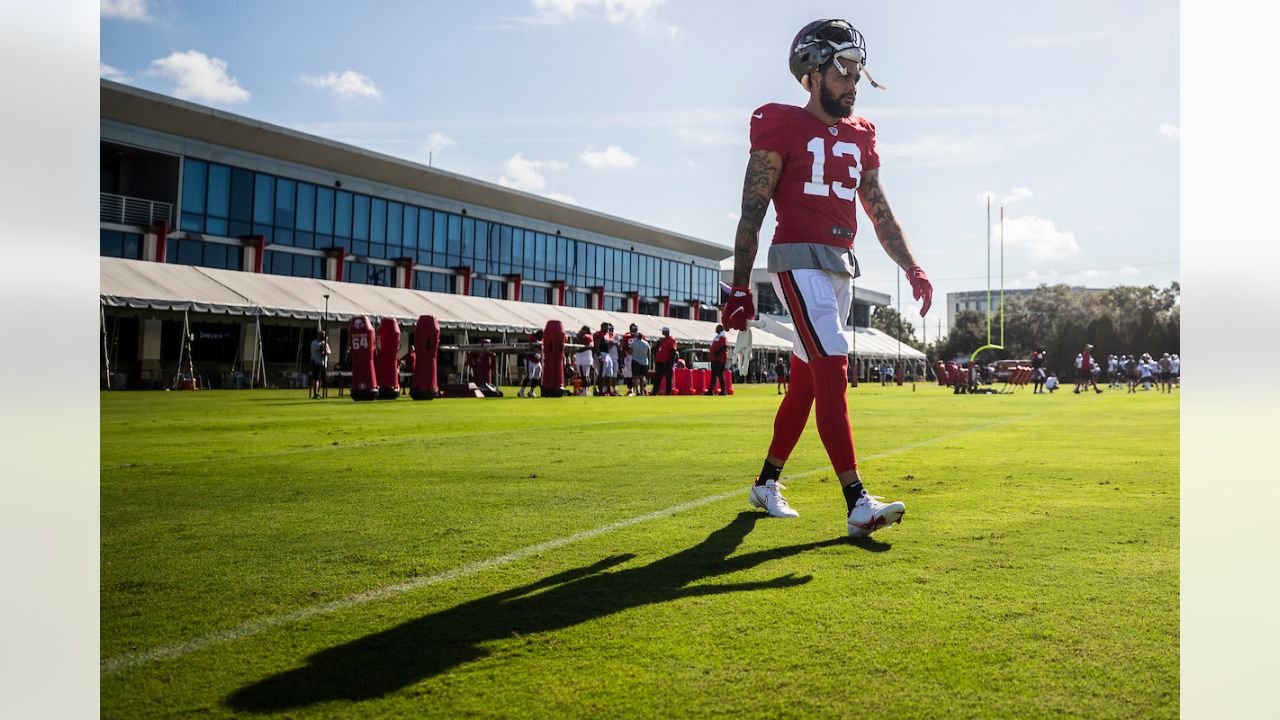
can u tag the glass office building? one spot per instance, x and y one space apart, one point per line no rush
223 183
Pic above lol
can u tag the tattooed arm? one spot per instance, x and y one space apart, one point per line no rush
888 231
763 170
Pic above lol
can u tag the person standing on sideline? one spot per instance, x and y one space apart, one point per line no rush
532 365
597 344
813 163
664 359
609 361
1166 373
1084 371
583 360
320 353
719 361
1146 366
780 372
407 365
624 359
640 363
1037 371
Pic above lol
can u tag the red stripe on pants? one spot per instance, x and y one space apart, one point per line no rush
804 328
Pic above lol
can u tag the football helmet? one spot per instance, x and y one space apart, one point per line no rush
823 41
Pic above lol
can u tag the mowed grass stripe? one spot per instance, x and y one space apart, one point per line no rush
122 663
340 446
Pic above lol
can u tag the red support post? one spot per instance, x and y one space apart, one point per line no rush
162 240
463 284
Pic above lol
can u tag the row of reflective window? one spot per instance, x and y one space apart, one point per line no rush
234 202
201 253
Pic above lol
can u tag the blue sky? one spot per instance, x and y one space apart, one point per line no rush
1067 113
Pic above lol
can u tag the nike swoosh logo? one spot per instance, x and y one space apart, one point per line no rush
758 116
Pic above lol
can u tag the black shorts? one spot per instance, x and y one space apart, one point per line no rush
317 371
638 370
1166 376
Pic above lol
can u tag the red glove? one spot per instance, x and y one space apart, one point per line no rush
921 288
738 309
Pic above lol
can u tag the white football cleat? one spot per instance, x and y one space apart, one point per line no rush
767 496
870 515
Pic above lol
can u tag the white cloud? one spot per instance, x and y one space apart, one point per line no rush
110 73
437 141
1169 130
520 173
1009 198
347 85
124 9
611 157
1037 237
200 77
636 12
1034 278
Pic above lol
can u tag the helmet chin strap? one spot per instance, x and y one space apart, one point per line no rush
871 80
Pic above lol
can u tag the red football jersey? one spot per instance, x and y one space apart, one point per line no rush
534 355
666 350
720 350
822 167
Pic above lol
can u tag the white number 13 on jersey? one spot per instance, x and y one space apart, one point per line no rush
818 148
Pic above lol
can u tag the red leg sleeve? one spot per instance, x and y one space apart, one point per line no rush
830 378
793 413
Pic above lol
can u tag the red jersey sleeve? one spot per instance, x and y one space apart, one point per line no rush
870 155
769 130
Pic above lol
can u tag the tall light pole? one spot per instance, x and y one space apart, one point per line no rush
326 308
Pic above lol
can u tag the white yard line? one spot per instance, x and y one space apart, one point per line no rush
121 663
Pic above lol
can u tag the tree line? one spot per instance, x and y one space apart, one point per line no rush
1120 320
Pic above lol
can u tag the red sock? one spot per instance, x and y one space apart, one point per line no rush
830 378
793 413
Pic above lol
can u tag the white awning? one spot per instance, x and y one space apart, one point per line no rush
162 286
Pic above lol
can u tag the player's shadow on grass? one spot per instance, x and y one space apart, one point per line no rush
378 664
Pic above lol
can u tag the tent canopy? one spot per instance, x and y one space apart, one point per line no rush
162 286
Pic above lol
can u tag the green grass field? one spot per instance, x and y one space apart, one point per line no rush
248 536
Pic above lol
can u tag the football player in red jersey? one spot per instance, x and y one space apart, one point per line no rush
812 162
532 365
